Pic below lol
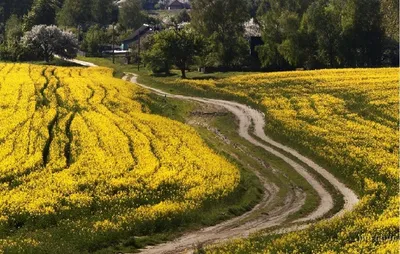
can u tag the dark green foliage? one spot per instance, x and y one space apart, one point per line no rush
183 16
223 22
131 15
327 33
41 12
174 46
103 11
93 39
74 13
11 49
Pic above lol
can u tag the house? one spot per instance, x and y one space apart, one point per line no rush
253 35
177 5
134 38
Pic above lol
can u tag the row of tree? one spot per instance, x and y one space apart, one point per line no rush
296 33
329 33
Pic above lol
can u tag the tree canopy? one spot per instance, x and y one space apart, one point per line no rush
223 22
50 40
174 46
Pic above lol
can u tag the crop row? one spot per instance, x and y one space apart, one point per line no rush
79 156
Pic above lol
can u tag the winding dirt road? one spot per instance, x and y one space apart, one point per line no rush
249 117
256 220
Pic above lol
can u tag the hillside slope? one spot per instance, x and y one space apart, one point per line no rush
82 163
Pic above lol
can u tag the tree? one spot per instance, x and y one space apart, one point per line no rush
285 44
390 18
13 31
183 16
11 49
390 23
102 11
223 22
50 40
131 15
362 33
94 37
322 23
43 12
13 7
174 46
74 13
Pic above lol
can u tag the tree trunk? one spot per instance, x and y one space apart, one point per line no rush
183 70
46 58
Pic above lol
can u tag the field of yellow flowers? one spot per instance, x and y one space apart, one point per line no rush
82 163
346 119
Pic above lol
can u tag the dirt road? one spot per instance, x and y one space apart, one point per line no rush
249 117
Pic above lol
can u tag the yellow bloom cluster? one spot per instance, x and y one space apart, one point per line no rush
78 152
347 118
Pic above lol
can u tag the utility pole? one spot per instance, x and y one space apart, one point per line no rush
138 66
113 51
79 33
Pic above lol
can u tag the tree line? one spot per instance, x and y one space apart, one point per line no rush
295 33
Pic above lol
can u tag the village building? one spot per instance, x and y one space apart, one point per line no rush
143 31
178 5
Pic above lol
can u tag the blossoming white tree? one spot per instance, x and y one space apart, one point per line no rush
50 40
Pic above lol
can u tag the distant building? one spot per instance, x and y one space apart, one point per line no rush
253 35
177 5
139 33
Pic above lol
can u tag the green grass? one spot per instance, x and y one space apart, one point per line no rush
119 67
54 62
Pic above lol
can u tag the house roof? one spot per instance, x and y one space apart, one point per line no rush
139 32
177 3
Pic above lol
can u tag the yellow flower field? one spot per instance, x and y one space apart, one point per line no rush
346 119
82 163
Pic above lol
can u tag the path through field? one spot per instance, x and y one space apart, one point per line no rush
231 229
253 220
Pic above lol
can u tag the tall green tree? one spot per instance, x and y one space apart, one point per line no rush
11 49
93 39
9 8
74 13
285 44
102 11
13 7
322 24
130 15
13 31
223 22
390 18
42 12
362 33
390 23
175 46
